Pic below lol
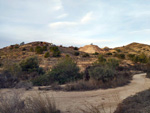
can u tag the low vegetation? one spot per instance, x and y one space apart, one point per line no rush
139 103
103 74
13 103
65 71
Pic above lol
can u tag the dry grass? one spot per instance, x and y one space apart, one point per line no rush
13 103
90 108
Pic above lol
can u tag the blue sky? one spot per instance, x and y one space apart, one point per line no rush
109 23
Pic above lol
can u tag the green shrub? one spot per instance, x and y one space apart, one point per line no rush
32 49
131 56
96 53
30 64
75 48
41 80
55 51
16 46
85 55
39 50
118 50
142 58
54 48
76 53
104 73
47 55
44 48
22 43
101 59
65 71
121 56
108 53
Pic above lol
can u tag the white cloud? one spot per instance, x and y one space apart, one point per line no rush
87 17
83 20
62 16
58 7
62 24
143 31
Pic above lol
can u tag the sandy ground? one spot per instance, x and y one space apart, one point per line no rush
72 102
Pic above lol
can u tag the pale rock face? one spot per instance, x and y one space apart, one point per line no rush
91 49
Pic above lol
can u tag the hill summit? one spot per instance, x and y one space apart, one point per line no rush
90 49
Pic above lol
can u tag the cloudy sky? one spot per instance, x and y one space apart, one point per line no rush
75 22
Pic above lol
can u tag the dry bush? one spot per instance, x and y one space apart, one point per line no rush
13 103
139 103
24 84
81 85
40 104
90 108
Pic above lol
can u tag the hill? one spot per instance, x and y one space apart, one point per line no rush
135 48
91 49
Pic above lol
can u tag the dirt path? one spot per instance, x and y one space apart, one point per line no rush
71 102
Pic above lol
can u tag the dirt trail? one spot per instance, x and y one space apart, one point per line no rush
71 102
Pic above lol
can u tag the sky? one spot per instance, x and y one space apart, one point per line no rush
109 23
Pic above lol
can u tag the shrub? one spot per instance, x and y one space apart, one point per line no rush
31 49
55 51
96 53
131 56
30 64
139 103
75 48
44 48
14 69
65 71
81 85
22 43
47 55
16 46
118 50
121 56
103 73
24 84
41 80
7 80
76 53
85 55
101 59
39 50
54 48
142 58
56 54
108 53
23 49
